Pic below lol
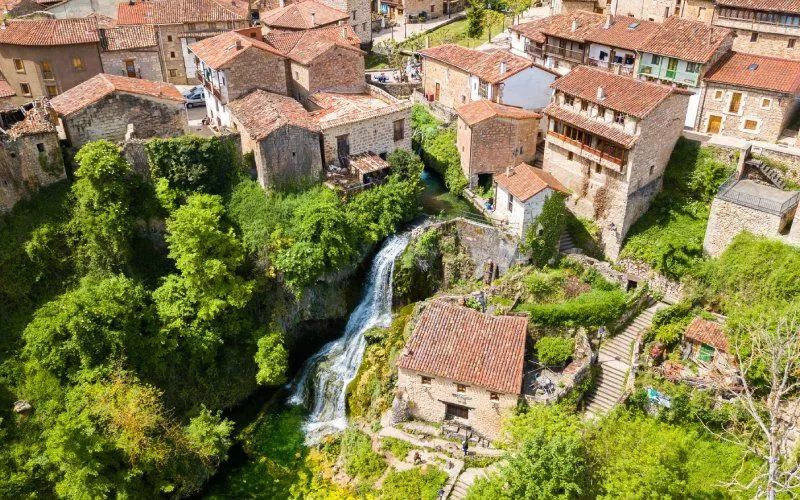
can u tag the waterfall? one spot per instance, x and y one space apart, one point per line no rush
322 384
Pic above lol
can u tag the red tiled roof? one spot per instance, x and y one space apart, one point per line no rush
368 162
305 46
303 15
102 20
707 332
477 111
128 37
485 65
49 32
560 26
622 93
218 51
625 32
692 41
758 72
525 182
595 127
464 345
99 86
792 6
182 11
36 121
261 113
6 90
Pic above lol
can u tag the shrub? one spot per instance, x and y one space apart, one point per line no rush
413 484
437 146
544 286
396 447
192 163
541 240
670 323
360 461
591 309
554 351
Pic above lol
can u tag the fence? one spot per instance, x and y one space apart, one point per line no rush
728 192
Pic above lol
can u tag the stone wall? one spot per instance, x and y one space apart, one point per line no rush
670 289
145 62
256 69
60 58
453 83
338 68
652 10
27 163
290 156
109 119
698 10
767 44
770 119
399 90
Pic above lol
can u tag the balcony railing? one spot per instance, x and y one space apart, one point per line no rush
616 68
564 53
728 192
533 50
603 155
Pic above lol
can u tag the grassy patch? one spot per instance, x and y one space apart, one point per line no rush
396 447
416 483
361 462
373 60
456 32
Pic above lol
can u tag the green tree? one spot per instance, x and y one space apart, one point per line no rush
271 358
541 239
476 14
191 163
102 219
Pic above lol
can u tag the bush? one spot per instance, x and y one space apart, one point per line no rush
396 447
545 286
541 240
554 351
591 309
191 163
360 461
437 146
670 323
413 484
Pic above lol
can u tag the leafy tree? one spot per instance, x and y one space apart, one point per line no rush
271 358
541 239
552 351
476 13
102 219
210 435
191 163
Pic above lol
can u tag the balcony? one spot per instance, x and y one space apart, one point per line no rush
601 156
616 68
572 55
764 22
533 50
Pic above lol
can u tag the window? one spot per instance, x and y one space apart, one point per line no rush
47 71
296 75
483 89
693 67
77 64
510 202
652 167
40 147
601 112
26 89
570 155
584 105
452 411
173 72
569 100
51 90
19 66
790 43
766 103
190 26
597 168
433 8
399 129
461 388
718 94
751 125
353 16
169 38
619 118
655 60
494 396
706 353
425 380
212 26
229 24
172 55
736 102
753 37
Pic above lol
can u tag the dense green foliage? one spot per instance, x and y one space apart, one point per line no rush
192 163
553 351
541 240
437 147
475 18
414 483
669 237
591 309
360 460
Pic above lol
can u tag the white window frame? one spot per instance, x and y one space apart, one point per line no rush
720 93
768 106
745 119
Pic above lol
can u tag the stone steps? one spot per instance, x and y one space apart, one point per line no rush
567 245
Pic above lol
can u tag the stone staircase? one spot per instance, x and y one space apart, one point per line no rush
538 159
467 478
769 172
566 244
615 363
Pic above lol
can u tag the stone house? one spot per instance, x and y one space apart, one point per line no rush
131 51
751 97
649 10
179 24
42 58
698 10
520 193
320 59
305 15
705 341
463 366
763 27
568 6
680 52
453 75
492 137
753 200
30 157
409 10
283 137
368 120
613 46
609 138
233 64
105 106
65 9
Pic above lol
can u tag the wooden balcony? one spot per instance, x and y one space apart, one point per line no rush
600 156
616 68
575 56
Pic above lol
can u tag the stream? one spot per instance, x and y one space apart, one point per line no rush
322 383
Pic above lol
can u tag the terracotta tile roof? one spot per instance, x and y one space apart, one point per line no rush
99 86
182 11
707 332
595 127
36 121
625 32
692 41
49 32
128 37
485 65
218 51
303 15
101 20
622 93
261 113
525 182
368 162
347 107
305 46
758 72
560 26
792 6
6 90
478 111
469 347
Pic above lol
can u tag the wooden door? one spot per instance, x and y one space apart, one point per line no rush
672 67
452 411
436 92
343 149
714 124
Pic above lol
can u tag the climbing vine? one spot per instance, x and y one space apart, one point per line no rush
541 239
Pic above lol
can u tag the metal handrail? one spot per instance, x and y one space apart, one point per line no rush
759 203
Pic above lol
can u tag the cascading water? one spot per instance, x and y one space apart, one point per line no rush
322 385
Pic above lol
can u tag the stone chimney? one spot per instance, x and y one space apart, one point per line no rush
574 25
601 93
503 67
238 43
344 33
609 21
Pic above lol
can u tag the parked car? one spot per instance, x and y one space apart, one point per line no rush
194 97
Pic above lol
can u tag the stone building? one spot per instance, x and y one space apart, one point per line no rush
764 27
233 64
369 120
613 46
492 137
30 157
453 75
7 95
464 366
698 10
360 17
283 137
105 106
305 15
65 9
705 341
42 58
751 97
568 6
649 10
411 10
680 52
609 139
17 8
179 24
131 51
753 200
520 193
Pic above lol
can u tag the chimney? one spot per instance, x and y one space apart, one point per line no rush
502 67
238 43
574 25
509 171
282 3
609 22
601 93
313 20
344 33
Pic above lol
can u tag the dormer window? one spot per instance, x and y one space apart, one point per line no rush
569 100
619 118
584 105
